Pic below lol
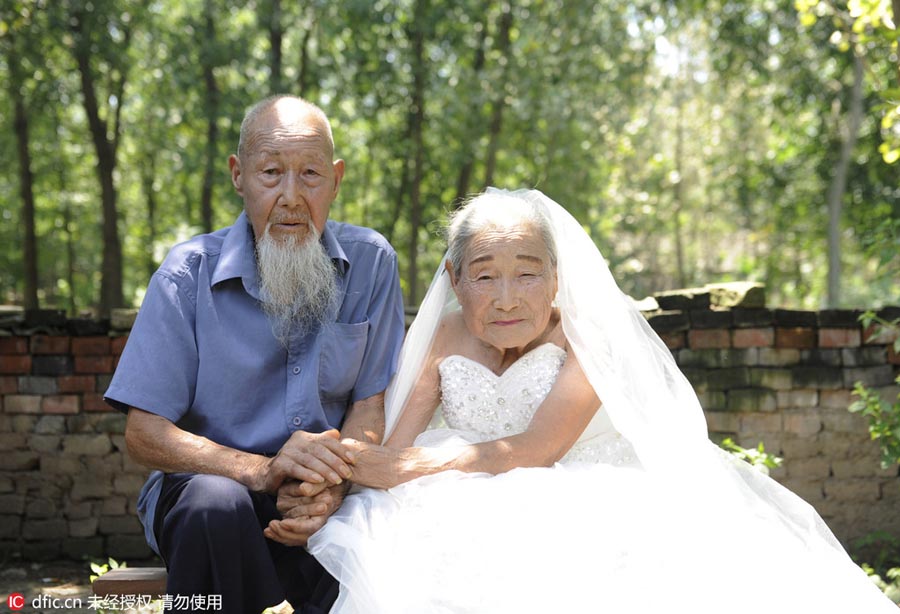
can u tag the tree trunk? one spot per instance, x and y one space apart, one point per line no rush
26 184
276 35
111 268
70 244
838 185
505 25
417 124
303 72
895 5
464 178
212 116
678 195
148 174
65 203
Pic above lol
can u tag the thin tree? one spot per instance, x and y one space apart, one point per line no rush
416 130
838 185
276 37
208 57
16 83
499 103
106 140
464 178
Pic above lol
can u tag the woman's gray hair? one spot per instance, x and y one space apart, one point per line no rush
488 210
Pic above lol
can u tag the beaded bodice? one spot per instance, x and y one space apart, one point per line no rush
478 401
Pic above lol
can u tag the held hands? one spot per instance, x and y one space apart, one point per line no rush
317 460
303 515
310 474
306 506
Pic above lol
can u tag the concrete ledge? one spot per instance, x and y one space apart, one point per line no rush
131 581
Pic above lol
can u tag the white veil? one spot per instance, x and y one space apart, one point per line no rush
616 347
645 395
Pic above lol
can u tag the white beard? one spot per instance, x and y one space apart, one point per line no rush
297 283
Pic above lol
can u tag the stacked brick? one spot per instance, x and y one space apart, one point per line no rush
67 486
785 378
781 377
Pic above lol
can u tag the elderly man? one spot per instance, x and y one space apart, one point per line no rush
253 345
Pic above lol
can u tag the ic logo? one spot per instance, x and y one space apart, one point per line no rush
15 601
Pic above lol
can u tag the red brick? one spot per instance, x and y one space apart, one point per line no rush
893 356
60 404
876 334
15 364
673 341
9 384
90 346
45 344
93 364
795 337
76 383
709 338
22 404
117 344
93 401
13 345
839 337
753 337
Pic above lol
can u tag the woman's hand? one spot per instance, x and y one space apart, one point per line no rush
385 467
378 466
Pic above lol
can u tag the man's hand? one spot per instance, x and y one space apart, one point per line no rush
312 458
303 515
293 504
294 531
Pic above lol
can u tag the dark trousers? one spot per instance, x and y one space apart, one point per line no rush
209 531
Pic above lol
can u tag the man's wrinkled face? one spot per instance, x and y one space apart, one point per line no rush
285 174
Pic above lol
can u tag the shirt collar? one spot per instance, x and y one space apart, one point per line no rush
238 256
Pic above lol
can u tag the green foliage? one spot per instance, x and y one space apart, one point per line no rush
757 457
868 28
694 140
99 569
889 583
884 421
884 417
884 565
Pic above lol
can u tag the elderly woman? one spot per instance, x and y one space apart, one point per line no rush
526 494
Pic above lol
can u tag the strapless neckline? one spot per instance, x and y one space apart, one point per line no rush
518 362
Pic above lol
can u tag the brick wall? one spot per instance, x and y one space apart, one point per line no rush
68 488
785 378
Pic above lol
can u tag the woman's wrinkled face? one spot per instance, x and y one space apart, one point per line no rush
506 286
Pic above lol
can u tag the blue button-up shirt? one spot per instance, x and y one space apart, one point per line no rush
202 353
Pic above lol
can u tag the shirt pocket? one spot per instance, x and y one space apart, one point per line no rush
343 347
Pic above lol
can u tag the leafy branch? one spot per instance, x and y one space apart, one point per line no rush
757 457
884 418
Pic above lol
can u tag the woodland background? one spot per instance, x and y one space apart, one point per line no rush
696 141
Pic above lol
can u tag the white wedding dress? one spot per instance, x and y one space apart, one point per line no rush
594 533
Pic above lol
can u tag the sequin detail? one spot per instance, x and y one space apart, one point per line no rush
478 401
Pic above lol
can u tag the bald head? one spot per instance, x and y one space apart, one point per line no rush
287 113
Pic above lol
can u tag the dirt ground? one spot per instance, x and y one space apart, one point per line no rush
56 588
63 587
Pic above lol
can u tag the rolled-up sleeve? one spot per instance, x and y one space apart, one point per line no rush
386 330
157 371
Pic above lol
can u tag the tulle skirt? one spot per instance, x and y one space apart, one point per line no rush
583 538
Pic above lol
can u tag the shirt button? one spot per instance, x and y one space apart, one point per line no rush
297 421
296 370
